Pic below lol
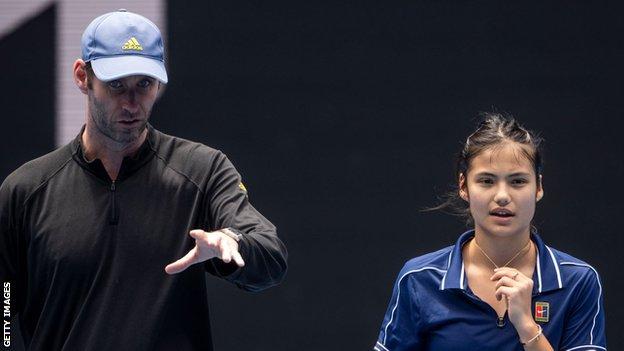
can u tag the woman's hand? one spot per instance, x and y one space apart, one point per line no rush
516 289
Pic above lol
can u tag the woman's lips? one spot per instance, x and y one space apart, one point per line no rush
502 212
501 215
502 219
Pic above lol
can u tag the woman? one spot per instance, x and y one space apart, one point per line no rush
499 287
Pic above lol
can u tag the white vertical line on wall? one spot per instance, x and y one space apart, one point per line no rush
16 12
73 16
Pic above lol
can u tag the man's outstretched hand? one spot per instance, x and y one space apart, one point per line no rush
208 245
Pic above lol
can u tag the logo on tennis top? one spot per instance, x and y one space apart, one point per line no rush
242 187
132 44
542 311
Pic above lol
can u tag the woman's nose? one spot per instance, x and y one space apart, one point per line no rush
502 196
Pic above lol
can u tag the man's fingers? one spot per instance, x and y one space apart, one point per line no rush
230 252
183 263
238 258
226 255
197 234
208 245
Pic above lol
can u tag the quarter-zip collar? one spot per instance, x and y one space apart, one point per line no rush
546 276
129 165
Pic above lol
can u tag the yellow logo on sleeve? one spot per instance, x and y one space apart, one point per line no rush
242 187
132 44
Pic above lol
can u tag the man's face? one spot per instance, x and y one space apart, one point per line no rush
120 109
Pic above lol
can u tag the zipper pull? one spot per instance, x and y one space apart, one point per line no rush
113 207
500 321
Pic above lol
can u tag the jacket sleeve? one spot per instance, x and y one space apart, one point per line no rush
585 322
228 207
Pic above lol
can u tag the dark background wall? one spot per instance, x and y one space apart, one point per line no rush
343 120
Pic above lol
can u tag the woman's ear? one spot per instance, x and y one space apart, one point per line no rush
463 187
540 189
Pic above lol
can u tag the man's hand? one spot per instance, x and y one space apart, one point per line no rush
208 245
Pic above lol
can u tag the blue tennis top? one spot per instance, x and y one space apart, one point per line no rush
432 307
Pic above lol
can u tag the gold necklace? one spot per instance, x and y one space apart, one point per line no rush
500 321
508 262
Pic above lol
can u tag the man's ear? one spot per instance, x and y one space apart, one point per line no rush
463 187
540 189
80 76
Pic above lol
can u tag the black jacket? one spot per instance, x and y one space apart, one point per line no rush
85 256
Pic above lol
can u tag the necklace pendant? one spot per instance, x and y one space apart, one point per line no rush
500 322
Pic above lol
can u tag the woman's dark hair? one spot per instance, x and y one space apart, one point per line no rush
494 129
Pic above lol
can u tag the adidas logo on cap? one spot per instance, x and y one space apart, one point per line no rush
110 44
132 44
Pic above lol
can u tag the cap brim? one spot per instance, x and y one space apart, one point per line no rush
111 68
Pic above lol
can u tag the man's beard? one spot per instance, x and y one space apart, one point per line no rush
108 127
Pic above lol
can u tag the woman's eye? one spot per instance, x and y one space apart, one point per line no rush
519 181
115 84
486 181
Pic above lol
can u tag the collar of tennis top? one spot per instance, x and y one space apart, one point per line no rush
546 276
130 164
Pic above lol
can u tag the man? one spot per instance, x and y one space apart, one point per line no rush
105 242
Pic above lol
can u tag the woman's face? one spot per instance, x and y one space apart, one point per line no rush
502 190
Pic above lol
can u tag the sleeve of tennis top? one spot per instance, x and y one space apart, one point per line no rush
400 329
585 325
228 207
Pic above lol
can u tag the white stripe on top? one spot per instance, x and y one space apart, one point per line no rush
396 304
552 256
591 332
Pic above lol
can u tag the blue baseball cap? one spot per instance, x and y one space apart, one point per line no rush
121 43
